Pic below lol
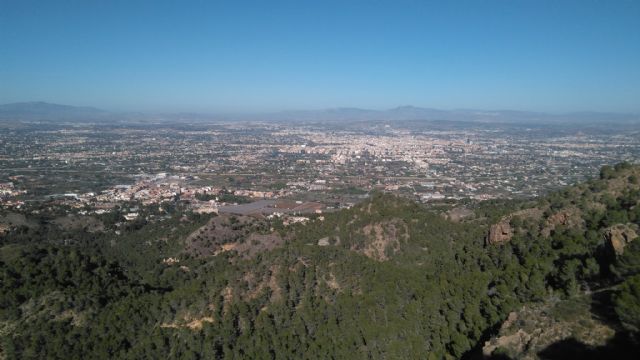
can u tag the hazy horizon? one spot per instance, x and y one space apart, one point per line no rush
328 110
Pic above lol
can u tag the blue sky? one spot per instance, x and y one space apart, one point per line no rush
251 56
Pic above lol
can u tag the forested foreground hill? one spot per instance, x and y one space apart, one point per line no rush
387 278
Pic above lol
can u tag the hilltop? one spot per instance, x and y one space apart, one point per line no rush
387 278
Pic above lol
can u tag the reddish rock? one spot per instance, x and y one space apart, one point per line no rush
499 233
618 236
570 217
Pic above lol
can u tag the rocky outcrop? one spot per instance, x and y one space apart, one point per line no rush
534 328
382 239
503 231
618 236
254 244
570 217
499 233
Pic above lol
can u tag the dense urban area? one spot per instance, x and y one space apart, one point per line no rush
334 164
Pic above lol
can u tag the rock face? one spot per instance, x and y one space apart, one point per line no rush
619 235
570 217
499 233
533 328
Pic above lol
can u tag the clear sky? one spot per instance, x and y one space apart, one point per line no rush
275 55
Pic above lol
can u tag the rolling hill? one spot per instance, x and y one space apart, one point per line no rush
387 278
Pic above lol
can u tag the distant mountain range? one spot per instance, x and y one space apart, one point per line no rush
43 111
418 113
47 112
